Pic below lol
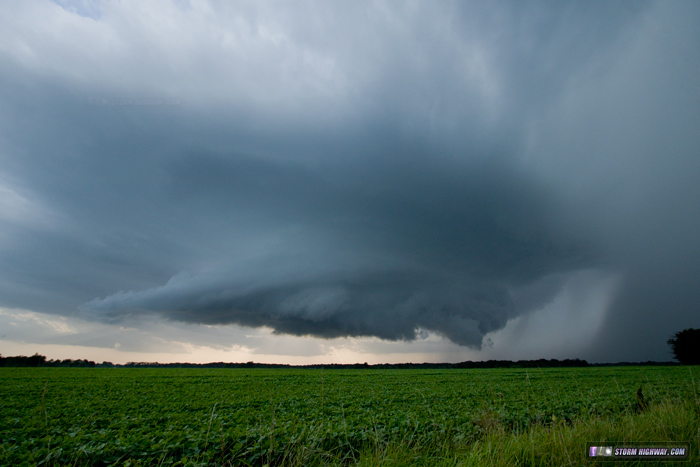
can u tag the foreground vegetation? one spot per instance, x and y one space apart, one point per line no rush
528 416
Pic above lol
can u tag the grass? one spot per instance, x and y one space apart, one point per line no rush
356 418
558 444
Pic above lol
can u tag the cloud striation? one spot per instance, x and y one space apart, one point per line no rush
371 169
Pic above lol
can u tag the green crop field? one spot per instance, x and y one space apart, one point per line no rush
70 416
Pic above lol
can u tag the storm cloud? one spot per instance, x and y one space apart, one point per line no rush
370 169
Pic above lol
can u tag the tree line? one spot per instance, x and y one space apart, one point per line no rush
685 346
37 360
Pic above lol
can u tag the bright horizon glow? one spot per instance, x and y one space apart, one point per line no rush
535 329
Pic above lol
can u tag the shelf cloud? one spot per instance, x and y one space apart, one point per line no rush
362 170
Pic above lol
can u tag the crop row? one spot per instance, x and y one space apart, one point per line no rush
56 416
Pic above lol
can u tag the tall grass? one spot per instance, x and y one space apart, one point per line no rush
557 444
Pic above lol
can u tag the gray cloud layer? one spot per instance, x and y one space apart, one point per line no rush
414 246
365 170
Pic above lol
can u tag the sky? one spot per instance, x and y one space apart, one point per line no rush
341 182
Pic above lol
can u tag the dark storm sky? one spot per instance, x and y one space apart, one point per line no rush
355 169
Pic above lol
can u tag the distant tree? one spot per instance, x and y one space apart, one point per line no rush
36 360
686 346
